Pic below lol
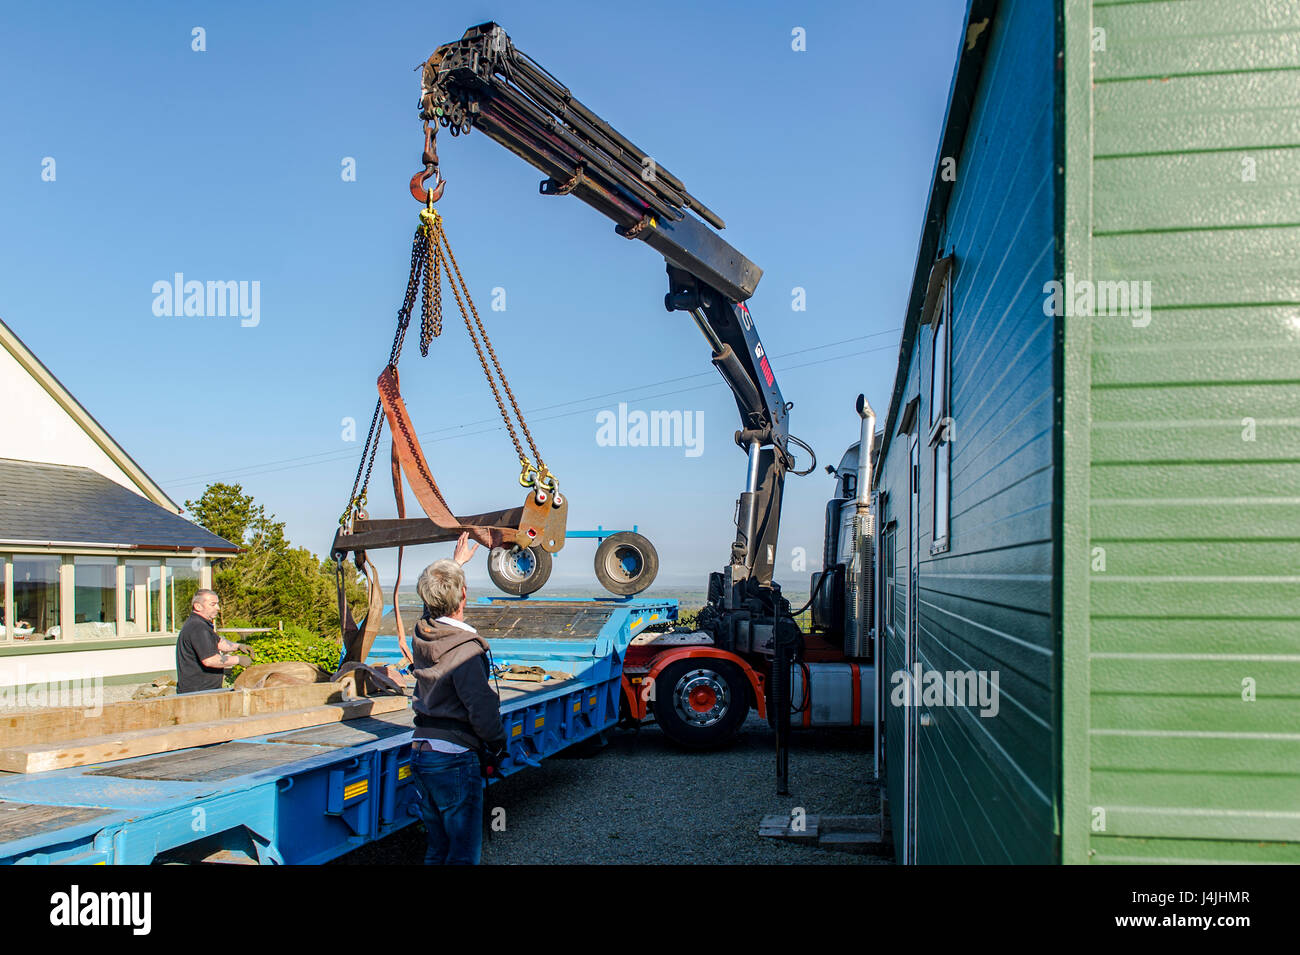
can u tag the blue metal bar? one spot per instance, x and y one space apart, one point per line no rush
599 533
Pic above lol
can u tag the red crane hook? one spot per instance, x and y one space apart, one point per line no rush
430 159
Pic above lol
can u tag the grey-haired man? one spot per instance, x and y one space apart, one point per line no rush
458 731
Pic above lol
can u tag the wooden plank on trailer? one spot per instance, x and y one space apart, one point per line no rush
352 733
208 764
41 757
79 722
18 820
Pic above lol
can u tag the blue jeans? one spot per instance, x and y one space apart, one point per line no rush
451 805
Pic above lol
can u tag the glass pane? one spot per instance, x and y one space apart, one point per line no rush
182 582
939 373
942 460
143 596
4 607
94 587
889 579
36 597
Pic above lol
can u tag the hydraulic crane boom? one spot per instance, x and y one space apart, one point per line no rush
481 81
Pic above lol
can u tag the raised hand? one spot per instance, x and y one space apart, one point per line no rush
464 551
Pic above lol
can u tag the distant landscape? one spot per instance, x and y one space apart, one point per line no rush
688 599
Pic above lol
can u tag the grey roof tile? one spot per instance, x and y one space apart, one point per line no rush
54 502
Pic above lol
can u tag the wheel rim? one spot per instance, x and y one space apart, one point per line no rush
624 563
517 565
701 697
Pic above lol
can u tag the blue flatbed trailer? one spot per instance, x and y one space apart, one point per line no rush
309 795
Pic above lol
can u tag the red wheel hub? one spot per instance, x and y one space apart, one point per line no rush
703 699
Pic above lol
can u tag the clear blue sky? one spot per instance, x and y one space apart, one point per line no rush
225 165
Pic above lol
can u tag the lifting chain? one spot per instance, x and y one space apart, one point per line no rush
431 259
419 266
478 335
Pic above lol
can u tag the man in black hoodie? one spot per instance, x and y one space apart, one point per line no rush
458 727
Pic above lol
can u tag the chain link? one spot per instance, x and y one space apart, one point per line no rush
431 258
442 249
419 258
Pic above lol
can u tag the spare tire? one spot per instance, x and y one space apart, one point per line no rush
626 563
519 571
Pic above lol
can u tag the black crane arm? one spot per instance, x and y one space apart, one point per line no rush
481 81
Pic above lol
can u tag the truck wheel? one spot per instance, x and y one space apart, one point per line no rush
626 563
700 703
519 570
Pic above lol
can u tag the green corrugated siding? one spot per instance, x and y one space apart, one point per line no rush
1200 527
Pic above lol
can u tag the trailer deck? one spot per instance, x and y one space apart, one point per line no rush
309 795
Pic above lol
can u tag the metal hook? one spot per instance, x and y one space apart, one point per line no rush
430 159
422 194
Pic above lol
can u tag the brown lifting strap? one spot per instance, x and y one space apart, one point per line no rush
492 529
406 449
357 640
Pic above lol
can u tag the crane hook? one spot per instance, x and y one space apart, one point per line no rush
430 159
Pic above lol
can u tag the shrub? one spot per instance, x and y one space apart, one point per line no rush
293 643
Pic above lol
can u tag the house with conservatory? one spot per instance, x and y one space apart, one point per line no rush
97 567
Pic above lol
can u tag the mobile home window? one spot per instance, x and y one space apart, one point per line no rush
939 354
941 423
887 572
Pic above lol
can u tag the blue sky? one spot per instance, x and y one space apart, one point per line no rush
226 165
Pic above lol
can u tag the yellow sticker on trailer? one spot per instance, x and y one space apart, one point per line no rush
353 790
592 701
637 622
516 731
404 772
537 723
577 705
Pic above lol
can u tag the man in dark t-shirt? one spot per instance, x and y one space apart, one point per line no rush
202 657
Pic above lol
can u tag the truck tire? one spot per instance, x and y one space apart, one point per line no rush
626 563
700 703
518 570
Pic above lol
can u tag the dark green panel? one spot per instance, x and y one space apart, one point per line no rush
986 787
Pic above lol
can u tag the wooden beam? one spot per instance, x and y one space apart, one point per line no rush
42 757
407 532
78 722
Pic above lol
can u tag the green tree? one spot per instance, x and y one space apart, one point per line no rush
226 510
270 580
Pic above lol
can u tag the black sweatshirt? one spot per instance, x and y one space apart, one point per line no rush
454 699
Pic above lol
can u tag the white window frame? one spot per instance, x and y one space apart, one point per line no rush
940 438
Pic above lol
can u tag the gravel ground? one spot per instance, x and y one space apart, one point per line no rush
642 800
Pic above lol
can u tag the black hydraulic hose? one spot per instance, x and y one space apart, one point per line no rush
816 590
807 689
